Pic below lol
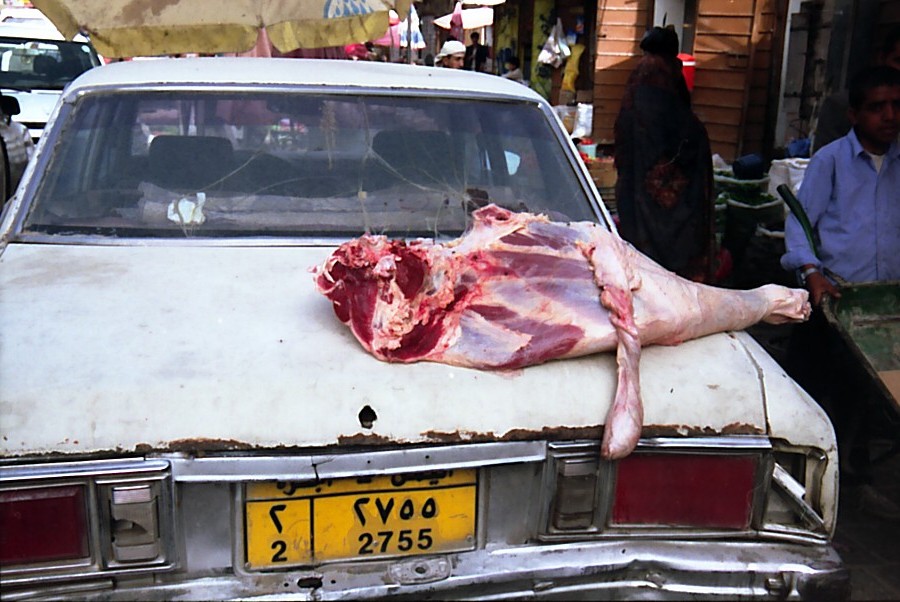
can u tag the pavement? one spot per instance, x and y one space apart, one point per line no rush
868 543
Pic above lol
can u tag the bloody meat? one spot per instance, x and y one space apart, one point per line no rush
517 290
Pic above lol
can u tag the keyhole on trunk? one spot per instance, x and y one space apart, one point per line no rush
367 417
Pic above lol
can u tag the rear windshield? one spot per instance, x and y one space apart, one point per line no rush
298 164
28 64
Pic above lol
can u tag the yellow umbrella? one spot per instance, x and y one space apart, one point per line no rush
122 28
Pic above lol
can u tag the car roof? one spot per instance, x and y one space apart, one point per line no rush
291 71
35 31
22 14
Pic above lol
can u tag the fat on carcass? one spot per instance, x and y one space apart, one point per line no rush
518 289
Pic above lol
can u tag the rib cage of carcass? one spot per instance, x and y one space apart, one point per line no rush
518 289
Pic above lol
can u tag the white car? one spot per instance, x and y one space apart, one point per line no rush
17 147
23 14
184 417
36 63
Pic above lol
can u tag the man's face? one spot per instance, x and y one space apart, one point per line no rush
877 121
454 61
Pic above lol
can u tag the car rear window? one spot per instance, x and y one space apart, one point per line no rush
30 64
213 164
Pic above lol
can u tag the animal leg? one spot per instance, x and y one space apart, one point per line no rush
616 282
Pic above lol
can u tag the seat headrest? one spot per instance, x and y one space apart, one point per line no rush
425 157
45 65
190 162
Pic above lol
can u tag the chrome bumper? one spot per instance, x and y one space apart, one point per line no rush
634 569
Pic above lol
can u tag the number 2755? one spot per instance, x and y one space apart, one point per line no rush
380 542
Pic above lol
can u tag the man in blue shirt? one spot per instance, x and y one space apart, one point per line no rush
851 194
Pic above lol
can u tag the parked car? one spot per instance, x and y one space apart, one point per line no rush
17 146
23 14
36 63
184 417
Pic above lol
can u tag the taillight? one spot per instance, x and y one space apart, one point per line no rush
690 490
576 487
41 524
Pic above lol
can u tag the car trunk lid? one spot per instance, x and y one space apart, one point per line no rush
192 347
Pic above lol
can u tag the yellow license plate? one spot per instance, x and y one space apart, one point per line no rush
288 524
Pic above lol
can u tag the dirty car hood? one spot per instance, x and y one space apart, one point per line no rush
197 347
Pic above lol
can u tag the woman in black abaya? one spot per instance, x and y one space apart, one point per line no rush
664 190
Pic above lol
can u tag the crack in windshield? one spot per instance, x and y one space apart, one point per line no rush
203 164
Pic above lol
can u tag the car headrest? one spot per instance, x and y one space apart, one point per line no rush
425 157
45 65
190 162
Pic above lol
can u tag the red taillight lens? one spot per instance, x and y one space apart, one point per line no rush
37 525
690 490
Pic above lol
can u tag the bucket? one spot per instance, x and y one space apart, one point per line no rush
743 221
588 149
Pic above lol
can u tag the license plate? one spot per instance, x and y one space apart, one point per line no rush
288 524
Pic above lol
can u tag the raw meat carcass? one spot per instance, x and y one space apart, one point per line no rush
517 290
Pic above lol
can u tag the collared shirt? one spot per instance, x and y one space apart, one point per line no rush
854 210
